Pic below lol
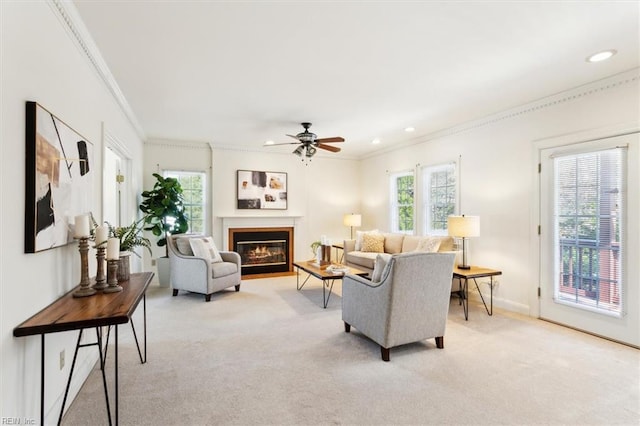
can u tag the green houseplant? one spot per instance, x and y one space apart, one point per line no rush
163 207
130 237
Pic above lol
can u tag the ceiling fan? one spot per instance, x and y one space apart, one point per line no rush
309 142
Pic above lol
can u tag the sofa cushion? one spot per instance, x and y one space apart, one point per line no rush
205 247
429 244
222 269
373 243
393 243
360 258
360 234
410 243
446 243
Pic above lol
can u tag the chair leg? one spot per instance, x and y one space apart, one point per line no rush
440 342
175 292
385 353
347 327
238 287
207 298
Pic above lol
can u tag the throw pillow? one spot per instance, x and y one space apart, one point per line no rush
379 266
429 245
359 235
184 246
205 248
373 243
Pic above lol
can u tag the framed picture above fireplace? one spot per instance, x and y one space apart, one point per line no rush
259 190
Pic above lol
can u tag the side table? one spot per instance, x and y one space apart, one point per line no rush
463 276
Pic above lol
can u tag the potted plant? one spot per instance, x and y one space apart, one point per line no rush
163 207
130 237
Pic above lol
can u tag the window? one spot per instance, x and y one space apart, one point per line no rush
193 191
439 186
589 200
402 202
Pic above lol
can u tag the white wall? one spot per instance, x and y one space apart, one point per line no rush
41 62
319 193
498 178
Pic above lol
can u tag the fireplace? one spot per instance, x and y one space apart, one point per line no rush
263 250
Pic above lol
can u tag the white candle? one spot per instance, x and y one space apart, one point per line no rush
102 233
82 226
113 249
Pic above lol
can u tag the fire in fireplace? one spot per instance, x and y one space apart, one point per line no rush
263 250
256 253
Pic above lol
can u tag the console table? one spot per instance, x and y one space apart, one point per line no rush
71 313
463 276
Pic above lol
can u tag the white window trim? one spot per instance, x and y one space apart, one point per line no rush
425 199
393 206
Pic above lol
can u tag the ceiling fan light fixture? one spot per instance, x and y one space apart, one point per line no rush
311 151
298 151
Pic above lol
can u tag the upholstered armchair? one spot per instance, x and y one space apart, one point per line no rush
410 303
201 274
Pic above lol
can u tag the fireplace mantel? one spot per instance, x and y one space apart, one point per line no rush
254 221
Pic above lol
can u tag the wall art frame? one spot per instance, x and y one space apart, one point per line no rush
261 190
59 179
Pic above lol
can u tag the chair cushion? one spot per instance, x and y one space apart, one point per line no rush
205 248
222 269
373 243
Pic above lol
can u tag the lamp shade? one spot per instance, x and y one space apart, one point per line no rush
463 226
352 220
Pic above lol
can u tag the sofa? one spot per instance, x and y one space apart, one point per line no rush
359 255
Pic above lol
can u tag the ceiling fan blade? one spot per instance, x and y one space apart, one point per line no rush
333 139
283 143
328 147
291 136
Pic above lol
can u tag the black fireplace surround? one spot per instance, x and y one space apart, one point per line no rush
263 251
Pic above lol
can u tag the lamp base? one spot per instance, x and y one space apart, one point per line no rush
464 266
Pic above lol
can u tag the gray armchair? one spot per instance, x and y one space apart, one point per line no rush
199 275
409 304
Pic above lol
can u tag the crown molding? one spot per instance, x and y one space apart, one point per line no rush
589 89
69 16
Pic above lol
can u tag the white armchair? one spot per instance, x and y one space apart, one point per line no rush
199 275
409 304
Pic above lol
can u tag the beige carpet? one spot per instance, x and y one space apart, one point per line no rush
270 355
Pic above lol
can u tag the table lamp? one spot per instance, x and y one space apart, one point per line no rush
352 220
464 227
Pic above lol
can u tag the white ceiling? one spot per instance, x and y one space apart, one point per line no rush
239 73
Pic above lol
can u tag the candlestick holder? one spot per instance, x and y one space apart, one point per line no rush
112 277
85 289
101 278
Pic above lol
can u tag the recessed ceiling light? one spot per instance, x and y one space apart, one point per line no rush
269 143
409 129
601 56
376 141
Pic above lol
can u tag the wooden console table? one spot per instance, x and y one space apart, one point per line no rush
71 313
463 276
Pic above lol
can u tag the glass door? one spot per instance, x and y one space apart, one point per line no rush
589 234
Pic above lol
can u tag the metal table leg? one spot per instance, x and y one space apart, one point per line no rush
326 284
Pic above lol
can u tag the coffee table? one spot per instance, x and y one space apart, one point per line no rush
327 277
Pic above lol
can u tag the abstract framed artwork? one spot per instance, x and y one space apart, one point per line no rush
59 179
262 190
